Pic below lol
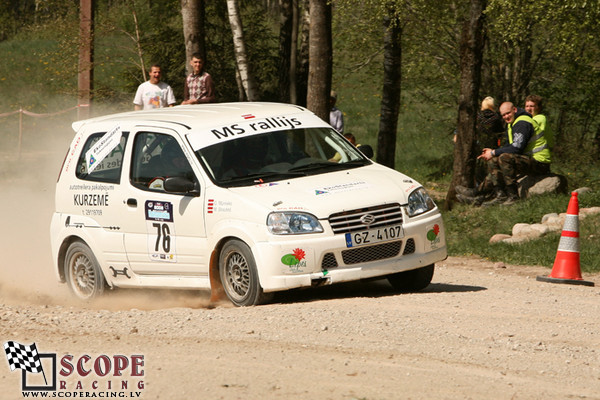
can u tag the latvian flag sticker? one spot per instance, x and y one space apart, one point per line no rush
211 206
248 116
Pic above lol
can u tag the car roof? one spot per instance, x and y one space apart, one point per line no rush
196 116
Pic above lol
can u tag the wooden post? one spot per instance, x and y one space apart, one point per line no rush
20 133
86 58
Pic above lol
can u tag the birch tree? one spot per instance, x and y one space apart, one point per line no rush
243 66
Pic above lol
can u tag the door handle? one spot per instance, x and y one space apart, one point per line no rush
131 202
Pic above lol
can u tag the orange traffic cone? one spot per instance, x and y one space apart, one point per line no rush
566 264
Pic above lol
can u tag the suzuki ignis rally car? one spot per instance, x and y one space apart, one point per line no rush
245 199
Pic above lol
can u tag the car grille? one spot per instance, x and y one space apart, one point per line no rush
409 248
370 253
351 221
329 261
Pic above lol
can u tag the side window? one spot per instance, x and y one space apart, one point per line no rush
107 169
157 157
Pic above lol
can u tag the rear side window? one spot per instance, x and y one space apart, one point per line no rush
106 170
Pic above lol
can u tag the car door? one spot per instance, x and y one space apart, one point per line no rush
94 186
165 232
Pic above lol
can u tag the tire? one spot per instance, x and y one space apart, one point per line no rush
239 275
413 280
82 272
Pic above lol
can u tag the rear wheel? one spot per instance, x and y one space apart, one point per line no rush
413 280
82 272
239 275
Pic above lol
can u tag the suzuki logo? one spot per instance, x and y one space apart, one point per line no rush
367 219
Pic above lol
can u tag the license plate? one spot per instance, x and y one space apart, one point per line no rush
371 236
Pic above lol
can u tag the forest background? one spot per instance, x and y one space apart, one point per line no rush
547 48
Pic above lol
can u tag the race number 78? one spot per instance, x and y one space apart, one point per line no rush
163 236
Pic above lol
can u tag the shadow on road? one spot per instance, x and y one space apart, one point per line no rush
370 289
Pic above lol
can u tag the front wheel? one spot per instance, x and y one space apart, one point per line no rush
239 275
413 280
82 272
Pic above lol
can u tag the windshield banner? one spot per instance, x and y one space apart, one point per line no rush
254 126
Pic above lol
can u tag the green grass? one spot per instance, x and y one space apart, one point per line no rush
469 229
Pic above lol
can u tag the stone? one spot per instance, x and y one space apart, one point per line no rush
541 228
517 239
521 229
539 184
583 190
499 237
546 217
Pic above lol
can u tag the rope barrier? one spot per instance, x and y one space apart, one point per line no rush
20 111
36 115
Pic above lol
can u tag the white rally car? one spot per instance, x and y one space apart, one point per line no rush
242 198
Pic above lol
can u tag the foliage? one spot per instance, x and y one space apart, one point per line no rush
563 65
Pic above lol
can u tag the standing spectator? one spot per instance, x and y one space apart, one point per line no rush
336 118
534 106
153 93
199 86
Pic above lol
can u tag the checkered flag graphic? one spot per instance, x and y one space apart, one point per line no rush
23 357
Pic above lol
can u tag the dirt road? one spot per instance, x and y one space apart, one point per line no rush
479 331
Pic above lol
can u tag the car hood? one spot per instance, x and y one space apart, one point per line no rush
324 194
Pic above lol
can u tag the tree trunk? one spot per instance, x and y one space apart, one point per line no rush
85 77
390 100
319 59
286 25
239 48
302 75
293 53
471 59
192 14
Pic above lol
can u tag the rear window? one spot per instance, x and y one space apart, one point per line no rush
109 168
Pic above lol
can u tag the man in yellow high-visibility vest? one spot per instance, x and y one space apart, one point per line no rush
526 152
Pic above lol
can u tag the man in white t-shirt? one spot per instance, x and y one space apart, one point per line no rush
153 93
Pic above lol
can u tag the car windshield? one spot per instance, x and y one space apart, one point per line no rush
272 156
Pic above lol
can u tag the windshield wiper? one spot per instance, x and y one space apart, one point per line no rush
315 165
329 164
260 177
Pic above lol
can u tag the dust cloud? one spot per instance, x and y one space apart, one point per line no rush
28 180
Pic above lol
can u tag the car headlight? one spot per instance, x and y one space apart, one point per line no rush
293 223
419 202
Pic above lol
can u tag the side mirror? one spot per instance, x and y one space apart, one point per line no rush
367 150
180 185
